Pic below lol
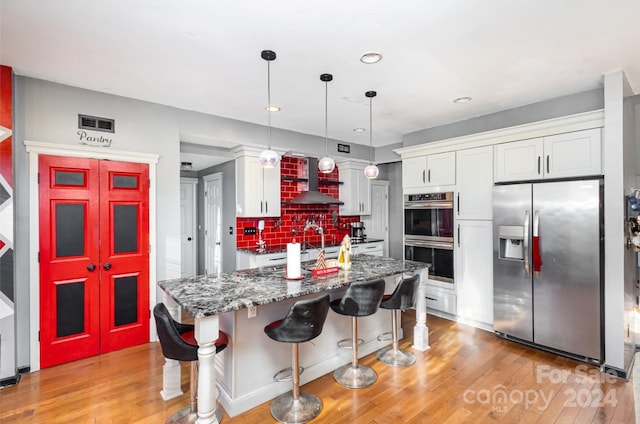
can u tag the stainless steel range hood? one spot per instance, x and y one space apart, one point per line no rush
312 196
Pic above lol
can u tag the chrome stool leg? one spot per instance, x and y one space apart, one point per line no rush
355 376
393 355
295 406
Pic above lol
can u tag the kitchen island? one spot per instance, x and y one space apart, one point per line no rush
242 302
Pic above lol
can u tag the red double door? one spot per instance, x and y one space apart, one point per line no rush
94 257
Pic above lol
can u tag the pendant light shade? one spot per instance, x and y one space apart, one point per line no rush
371 171
326 164
268 158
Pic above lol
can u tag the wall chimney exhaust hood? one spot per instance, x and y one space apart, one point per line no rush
312 196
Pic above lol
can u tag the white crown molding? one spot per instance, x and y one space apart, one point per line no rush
577 122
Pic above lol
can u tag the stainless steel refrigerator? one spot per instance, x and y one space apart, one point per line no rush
547 264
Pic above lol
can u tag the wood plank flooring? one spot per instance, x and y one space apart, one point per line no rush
468 375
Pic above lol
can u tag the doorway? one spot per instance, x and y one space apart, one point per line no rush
188 232
377 224
94 257
213 223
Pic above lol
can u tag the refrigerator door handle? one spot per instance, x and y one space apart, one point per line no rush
537 258
527 269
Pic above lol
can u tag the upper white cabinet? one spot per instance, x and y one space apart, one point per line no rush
431 170
571 154
355 190
257 188
474 183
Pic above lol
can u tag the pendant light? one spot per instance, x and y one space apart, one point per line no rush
326 164
268 158
371 171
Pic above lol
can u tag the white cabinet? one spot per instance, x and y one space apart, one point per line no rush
572 154
375 248
245 260
473 255
474 183
429 171
257 188
355 190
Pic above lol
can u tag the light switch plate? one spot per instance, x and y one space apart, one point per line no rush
252 311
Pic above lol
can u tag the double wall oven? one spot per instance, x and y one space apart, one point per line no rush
428 232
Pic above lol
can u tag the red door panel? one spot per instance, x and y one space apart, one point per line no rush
124 231
69 292
94 257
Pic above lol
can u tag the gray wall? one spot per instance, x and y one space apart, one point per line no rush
560 106
228 241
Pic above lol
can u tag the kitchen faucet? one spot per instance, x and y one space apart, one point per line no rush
319 230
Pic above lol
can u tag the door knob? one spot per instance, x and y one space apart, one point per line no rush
107 266
217 243
188 238
91 267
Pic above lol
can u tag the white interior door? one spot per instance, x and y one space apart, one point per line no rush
377 224
188 239
213 222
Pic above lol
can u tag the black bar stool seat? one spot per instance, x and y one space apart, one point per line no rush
303 322
402 298
361 299
178 343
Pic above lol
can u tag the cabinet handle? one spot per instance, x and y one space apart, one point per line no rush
538 165
547 164
266 207
458 207
423 172
431 298
458 235
429 176
261 206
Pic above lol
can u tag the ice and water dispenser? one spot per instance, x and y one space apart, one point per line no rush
511 242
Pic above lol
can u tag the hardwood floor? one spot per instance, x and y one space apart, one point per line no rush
468 375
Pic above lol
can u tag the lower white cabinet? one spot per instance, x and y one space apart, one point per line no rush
473 256
245 259
439 299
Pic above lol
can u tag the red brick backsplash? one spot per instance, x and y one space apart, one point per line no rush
278 231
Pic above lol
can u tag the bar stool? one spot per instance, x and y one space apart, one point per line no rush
402 298
362 298
303 322
178 343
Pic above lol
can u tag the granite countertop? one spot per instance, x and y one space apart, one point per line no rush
280 248
206 295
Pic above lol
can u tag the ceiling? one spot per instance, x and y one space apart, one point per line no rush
204 55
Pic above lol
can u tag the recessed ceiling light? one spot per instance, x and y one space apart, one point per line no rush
371 58
359 129
272 108
462 100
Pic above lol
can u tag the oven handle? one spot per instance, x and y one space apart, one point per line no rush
429 205
430 244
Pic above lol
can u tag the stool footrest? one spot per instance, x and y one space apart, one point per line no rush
385 337
348 343
286 374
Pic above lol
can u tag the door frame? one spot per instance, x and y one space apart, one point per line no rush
209 232
386 185
193 182
34 150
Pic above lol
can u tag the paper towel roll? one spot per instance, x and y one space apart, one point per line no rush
293 260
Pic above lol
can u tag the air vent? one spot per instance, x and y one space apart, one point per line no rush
86 122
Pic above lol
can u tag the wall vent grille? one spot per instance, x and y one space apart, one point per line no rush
87 122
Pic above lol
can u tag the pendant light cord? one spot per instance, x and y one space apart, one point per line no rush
371 130
326 118
269 101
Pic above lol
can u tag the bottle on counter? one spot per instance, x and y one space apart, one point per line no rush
344 256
